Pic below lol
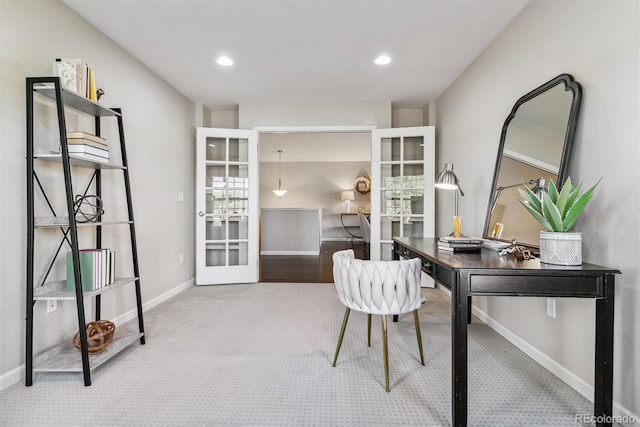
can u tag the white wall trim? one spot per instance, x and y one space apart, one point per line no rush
565 375
133 313
289 252
12 377
314 129
17 374
342 239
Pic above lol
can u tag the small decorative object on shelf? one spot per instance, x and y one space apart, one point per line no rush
557 212
521 253
99 336
88 208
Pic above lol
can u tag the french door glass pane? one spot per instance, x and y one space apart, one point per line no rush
238 227
390 149
216 149
412 226
413 148
238 150
216 228
216 254
238 189
238 253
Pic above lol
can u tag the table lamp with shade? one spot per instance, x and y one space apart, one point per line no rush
348 195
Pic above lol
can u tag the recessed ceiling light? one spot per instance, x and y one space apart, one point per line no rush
225 61
382 60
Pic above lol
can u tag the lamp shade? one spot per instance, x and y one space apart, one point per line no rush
348 195
447 179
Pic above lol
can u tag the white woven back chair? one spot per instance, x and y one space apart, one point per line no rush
377 287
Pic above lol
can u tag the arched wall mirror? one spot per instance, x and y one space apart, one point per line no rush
535 145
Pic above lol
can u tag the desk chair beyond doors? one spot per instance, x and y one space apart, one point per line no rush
365 230
378 287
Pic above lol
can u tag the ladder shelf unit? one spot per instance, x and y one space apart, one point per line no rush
65 357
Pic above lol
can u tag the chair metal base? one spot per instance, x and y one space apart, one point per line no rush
385 351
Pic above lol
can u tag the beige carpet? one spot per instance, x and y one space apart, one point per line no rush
260 355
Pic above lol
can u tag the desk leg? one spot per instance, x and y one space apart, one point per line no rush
459 319
603 382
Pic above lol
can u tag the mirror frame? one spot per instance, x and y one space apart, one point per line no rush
569 85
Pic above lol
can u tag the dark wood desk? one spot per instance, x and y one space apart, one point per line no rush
487 273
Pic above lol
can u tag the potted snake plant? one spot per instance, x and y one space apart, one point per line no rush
558 212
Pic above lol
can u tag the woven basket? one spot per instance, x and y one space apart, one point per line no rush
99 336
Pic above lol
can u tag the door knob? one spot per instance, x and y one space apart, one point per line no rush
201 213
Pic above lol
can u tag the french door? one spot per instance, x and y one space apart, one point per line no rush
226 206
402 186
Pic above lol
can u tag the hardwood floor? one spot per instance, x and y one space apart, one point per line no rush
305 268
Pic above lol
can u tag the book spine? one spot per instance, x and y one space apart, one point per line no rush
463 245
76 148
82 141
93 96
87 270
85 135
88 156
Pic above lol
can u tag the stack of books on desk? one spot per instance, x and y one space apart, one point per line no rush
459 244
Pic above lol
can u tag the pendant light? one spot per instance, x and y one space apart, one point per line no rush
279 192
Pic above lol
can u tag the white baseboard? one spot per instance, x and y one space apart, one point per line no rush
17 374
568 377
10 378
133 313
290 252
343 239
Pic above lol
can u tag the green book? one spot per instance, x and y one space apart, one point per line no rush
88 266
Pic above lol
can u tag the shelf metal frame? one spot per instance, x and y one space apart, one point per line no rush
51 88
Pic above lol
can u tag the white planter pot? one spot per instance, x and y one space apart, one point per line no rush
561 248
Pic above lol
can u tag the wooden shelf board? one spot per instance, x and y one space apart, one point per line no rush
49 222
75 101
58 290
76 161
66 358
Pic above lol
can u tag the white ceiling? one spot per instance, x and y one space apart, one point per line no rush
301 49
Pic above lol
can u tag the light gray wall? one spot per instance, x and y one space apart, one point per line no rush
159 128
596 42
311 113
290 231
315 185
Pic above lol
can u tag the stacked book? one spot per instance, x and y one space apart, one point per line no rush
76 76
460 244
97 269
84 145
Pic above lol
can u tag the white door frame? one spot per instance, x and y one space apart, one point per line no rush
227 274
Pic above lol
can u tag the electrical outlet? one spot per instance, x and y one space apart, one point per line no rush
551 307
181 258
52 305
180 196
